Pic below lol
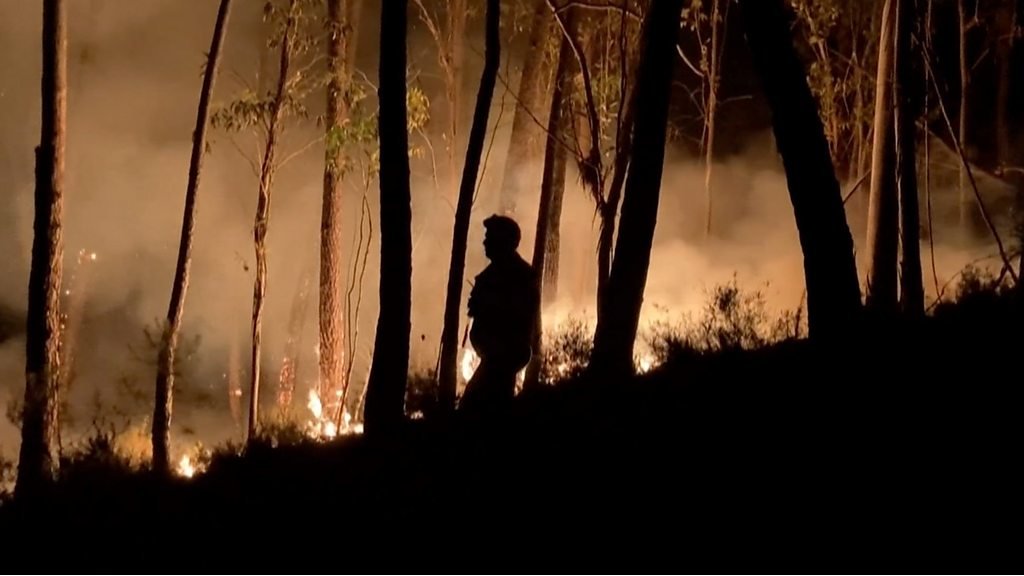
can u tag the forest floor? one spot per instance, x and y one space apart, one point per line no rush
898 452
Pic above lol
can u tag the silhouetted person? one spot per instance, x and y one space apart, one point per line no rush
502 305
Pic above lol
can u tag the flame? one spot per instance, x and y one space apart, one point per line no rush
322 426
186 468
314 405
646 363
469 363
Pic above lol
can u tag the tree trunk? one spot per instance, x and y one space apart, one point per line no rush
1005 28
610 209
883 210
553 246
830 271
907 109
713 72
447 377
385 394
267 171
965 192
37 460
552 185
457 13
525 130
617 326
162 408
332 288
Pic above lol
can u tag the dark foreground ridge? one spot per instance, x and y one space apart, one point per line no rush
897 453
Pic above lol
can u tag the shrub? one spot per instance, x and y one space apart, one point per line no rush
730 320
566 350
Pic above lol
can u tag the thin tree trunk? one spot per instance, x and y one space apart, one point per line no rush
37 461
262 220
620 168
456 47
907 110
162 408
552 185
385 392
617 326
833 293
709 121
448 373
528 106
332 290
966 201
883 211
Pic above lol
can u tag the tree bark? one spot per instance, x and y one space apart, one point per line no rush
332 289
883 209
617 326
385 394
525 131
830 271
907 110
447 377
268 169
37 460
552 185
162 408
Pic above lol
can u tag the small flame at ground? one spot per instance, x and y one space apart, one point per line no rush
186 468
646 363
322 426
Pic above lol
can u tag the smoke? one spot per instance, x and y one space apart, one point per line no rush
135 75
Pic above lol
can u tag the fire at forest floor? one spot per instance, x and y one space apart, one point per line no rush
894 451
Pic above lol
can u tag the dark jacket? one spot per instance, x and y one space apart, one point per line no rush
503 306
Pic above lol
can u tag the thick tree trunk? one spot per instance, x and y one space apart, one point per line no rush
162 408
525 131
268 169
448 373
385 393
833 293
332 288
552 185
37 460
907 110
617 326
883 210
